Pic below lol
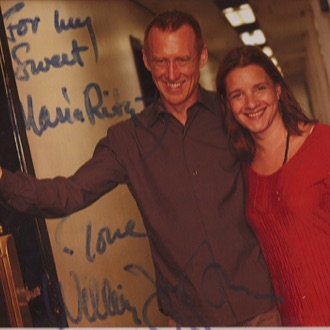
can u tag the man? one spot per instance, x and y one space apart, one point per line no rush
175 159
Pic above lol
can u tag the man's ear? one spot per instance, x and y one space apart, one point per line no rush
203 57
145 60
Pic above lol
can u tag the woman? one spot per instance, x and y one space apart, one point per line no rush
286 160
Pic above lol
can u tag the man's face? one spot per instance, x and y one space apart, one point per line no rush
175 66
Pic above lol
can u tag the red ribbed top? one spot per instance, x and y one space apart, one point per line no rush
290 214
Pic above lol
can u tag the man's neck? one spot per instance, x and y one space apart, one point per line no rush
179 111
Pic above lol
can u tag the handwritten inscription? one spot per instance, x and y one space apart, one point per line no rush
94 301
106 238
24 66
40 121
27 66
74 24
180 290
22 27
99 299
98 302
99 110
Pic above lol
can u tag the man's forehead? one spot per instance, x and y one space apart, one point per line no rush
186 28
184 37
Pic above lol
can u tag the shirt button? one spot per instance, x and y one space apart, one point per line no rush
194 173
278 195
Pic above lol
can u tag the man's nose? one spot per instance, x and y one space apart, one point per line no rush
172 70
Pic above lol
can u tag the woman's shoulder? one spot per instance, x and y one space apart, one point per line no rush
314 156
318 140
322 128
316 130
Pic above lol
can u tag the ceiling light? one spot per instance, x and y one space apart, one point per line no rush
240 15
253 38
274 60
268 51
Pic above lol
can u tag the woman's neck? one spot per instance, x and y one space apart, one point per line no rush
271 148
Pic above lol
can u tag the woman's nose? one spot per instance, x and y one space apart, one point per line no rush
251 100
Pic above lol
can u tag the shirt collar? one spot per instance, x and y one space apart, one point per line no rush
207 99
157 110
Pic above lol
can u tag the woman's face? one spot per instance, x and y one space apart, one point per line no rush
253 98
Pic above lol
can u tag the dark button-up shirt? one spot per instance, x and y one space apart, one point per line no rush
189 189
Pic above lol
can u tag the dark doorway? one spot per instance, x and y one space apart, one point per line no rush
29 233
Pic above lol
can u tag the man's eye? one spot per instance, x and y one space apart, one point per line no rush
159 61
183 60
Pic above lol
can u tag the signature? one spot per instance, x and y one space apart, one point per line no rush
104 300
100 300
180 291
41 120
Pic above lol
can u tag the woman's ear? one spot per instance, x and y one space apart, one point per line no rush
278 91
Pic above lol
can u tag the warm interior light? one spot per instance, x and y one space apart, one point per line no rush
247 14
232 17
255 37
240 15
274 61
268 51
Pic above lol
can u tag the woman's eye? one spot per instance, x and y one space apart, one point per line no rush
236 96
261 87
